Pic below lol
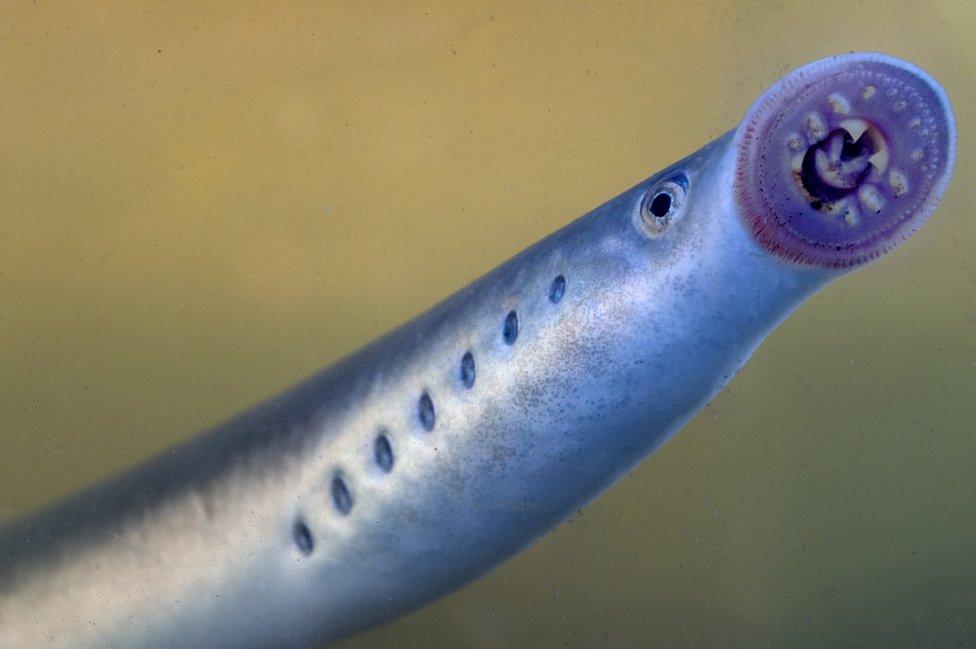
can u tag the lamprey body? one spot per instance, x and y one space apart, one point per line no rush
441 449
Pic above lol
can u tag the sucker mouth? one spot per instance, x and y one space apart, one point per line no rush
843 159
836 166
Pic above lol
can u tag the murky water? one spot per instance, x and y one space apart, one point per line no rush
200 207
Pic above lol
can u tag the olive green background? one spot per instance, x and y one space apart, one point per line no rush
201 204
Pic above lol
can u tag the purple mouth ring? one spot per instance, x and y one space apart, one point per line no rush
844 159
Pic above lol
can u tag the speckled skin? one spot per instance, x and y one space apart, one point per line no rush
196 548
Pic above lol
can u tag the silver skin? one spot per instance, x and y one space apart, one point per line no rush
197 547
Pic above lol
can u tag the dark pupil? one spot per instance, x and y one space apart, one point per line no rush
661 204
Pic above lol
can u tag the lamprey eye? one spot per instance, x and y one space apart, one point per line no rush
661 204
